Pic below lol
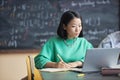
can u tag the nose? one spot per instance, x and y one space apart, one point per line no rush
77 29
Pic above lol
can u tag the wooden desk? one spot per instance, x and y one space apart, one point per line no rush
68 75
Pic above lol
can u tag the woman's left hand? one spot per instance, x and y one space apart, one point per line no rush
75 64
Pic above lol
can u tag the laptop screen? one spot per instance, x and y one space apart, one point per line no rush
97 58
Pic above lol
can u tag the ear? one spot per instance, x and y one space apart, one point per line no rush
64 27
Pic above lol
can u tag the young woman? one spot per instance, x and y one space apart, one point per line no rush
69 45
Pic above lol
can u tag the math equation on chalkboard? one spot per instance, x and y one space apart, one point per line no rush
28 24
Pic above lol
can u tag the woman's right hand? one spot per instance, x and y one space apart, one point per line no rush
62 64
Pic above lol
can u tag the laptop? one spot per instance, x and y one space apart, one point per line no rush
97 58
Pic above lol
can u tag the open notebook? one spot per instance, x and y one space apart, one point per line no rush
60 69
95 59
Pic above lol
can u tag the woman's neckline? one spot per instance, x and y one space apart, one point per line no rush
70 42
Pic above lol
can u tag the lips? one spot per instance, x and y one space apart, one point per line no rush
76 34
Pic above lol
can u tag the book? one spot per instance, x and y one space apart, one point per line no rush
110 71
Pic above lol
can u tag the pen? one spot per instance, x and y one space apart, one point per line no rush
60 57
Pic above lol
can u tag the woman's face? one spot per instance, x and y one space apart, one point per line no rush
73 28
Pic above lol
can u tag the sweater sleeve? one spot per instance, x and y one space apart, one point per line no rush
45 55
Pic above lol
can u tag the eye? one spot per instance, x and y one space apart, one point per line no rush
73 26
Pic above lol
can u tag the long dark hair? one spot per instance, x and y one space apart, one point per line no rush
65 19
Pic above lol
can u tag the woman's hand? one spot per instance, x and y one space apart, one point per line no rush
75 64
62 64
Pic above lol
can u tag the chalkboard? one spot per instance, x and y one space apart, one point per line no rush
28 24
